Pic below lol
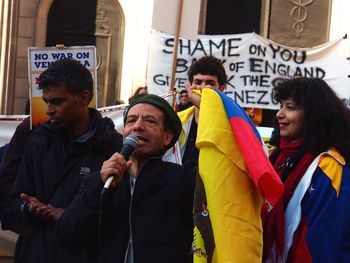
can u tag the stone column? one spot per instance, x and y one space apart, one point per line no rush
8 26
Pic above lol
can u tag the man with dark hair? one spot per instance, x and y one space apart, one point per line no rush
147 216
58 155
184 101
207 72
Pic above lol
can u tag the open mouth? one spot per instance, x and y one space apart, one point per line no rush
54 120
283 125
141 138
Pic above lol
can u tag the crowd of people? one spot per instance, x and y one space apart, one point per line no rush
52 176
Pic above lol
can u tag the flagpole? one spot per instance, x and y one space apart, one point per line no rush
176 47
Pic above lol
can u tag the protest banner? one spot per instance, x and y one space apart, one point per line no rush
39 60
254 65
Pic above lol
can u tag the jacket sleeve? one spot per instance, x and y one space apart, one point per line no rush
326 209
23 184
77 229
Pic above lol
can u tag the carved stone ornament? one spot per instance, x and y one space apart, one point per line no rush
300 14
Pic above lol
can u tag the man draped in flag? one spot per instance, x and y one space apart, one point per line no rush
207 72
234 170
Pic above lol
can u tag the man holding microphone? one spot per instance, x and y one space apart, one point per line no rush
146 214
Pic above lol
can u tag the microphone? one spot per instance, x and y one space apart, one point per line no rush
130 143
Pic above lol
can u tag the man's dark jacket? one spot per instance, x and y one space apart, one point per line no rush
159 216
51 170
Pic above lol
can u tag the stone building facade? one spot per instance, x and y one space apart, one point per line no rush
27 23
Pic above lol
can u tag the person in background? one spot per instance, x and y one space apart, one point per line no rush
184 101
8 171
58 155
139 91
207 72
311 221
255 114
146 216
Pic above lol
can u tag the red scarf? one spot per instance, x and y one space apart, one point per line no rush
273 222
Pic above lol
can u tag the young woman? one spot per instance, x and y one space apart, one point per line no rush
311 222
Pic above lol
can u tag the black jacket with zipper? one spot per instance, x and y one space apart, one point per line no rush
159 216
51 170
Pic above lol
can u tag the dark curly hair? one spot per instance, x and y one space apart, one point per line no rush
208 65
68 73
326 118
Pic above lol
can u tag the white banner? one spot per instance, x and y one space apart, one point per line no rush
254 65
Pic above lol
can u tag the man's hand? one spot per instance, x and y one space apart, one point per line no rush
194 92
194 97
42 210
114 166
55 213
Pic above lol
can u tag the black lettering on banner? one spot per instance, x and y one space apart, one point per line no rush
298 57
42 64
57 56
275 82
249 96
181 65
257 50
236 66
244 96
199 48
256 80
254 65
245 79
231 47
183 46
301 56
181 82
159 80
40 56
298 72
86 63
229 81
82 55
268 67
262 94
169 42
320 73
238 97
286 55
163 80
264 81
274 50
220 46
283 69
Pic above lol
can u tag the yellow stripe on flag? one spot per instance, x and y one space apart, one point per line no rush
234 203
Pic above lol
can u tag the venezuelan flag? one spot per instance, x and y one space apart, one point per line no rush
232 190
317 215
249 141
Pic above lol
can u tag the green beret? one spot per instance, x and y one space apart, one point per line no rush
170 116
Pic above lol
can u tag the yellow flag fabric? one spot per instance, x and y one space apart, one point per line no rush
233 201
186 118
